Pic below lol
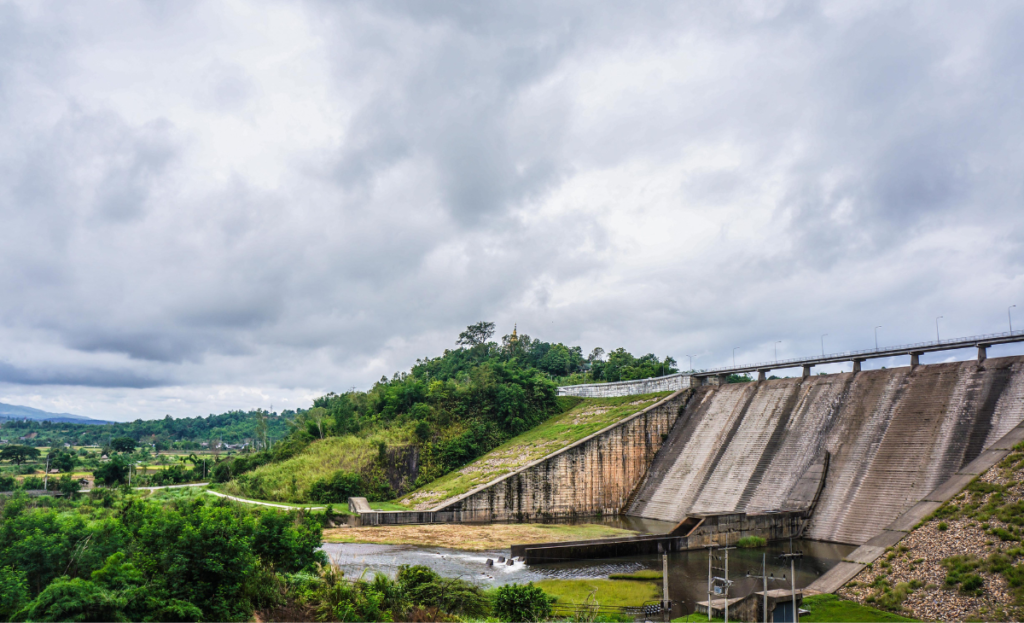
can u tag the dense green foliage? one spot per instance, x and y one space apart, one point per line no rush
521 602
118 558
234 427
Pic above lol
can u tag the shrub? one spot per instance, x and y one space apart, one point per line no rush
752 541
943 526
336 488
1004 534
972 584
521 602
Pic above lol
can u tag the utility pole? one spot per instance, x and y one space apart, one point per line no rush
764 578
823 335
937 338
734 352
711 555
876 336
792 556
1010 318
666 605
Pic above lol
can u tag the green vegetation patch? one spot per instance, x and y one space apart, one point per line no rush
831 608
644 574
585 419
290 480
752 542
606 592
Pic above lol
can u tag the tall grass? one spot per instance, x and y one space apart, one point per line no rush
289 481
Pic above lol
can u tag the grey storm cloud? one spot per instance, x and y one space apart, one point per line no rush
203 208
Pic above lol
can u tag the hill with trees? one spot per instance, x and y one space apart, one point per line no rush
439 416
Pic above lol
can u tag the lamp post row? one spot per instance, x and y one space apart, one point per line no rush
1009 318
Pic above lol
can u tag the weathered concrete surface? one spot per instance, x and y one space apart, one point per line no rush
595 475
670 383
893 437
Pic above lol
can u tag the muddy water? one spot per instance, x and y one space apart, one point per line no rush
688 571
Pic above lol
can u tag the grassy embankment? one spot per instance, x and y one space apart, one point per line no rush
824 609
289 480
588 417
474 537
606 592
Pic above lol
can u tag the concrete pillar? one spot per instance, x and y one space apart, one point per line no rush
723 379
807 371
856 364
915 359
760 374
982 352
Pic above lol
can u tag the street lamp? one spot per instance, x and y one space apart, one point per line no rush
734 352
937 338
876 336
777 350
823 344
690 357
1009 317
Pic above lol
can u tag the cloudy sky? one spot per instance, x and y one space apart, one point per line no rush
217 205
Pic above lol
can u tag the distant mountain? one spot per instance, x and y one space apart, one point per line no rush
16 412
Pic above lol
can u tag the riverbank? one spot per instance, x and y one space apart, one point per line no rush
472 537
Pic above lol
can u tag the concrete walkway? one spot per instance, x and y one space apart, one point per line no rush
195 484
245 501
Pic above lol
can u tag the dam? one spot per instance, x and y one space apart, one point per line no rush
891 437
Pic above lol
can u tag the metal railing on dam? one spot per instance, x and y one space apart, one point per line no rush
685 380
669 383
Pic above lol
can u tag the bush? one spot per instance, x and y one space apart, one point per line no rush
521 602
943 526
752 541
337 488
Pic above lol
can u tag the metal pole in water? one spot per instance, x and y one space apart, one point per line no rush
709 580
727 583
792 584
764 578
666 615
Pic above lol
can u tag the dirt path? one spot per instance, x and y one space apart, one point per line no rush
245 501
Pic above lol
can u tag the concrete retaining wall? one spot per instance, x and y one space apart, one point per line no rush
670 383
593 476
893 436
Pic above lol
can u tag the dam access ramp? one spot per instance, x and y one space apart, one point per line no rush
891 436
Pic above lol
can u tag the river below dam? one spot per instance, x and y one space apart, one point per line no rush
688 571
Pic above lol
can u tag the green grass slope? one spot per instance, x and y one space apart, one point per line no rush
554 434
289 480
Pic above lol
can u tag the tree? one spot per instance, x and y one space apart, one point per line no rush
123 444
522 602
595 355
63 461
476 334
18 454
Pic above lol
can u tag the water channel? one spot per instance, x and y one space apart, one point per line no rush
688 571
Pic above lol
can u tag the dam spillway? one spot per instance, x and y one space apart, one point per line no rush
891 437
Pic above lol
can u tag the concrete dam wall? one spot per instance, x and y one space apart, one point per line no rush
891 435
594 475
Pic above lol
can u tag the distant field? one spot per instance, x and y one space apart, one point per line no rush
556 433
474 537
